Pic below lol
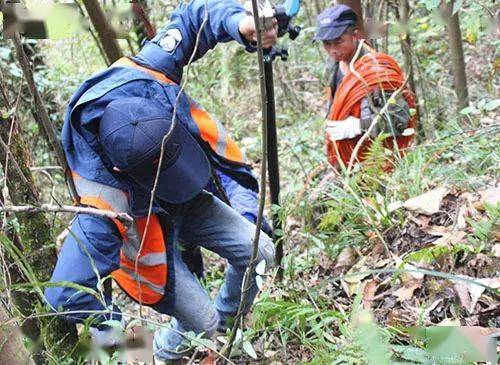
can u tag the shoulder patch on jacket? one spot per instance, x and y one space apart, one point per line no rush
171 40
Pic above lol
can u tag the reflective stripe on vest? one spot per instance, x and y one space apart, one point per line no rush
147 285
211 130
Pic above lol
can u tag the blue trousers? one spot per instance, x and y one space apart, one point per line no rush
91 251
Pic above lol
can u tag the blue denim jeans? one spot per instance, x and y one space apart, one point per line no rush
207 222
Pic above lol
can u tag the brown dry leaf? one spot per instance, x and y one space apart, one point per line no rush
462 290
355 275
346 257
422 221
461 222
450 239
481 260
369 293
489 196
476 290
211 359
406 292
427 203
438 230
409 277
378 249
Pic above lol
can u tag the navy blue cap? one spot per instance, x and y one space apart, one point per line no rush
131 134
333 22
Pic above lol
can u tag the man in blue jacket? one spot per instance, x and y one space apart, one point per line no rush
115 127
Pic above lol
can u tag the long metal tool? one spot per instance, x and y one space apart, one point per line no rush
284 15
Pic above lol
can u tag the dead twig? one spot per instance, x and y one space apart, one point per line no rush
48 208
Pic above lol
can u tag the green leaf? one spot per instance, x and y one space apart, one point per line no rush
279 232
468 110
491 105
247 346
112 323
411 353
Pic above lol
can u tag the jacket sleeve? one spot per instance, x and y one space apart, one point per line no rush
215 20
243 200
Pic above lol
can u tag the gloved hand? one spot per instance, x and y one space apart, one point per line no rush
343 129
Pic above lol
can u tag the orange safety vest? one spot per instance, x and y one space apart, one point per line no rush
147 284
211 130
377 70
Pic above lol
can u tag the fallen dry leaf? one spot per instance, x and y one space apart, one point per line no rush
369 293
346 257
406 291
211 359
438 230
432 307
449 322
450 239
496 250
489 196
410 276
427 203
462 290
391 207
421 220
462 213
477 290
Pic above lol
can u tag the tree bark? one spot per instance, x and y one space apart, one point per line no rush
358 9
456 53
59 337
42 114
12 349
142 26
403 14
106 33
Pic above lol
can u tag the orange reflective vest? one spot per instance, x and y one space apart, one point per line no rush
146 284
211 130
377 70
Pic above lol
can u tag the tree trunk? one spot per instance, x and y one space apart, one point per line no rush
12 350
457 54
403 14
358 9
142 26
59 337
106 33
42 116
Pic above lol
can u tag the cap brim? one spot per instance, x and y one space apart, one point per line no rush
330 33
186 177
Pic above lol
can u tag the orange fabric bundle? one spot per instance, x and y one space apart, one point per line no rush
377 71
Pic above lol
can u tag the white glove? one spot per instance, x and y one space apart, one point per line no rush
343 129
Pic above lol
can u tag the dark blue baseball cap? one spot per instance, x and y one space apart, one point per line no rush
333 22
131 134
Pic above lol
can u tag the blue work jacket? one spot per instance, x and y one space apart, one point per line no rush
167 53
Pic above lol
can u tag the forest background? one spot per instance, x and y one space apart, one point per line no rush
366 256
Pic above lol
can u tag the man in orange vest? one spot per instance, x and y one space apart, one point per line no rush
356 98
131 131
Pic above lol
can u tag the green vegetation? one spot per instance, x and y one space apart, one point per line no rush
352 287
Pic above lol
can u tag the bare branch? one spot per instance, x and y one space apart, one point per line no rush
44 208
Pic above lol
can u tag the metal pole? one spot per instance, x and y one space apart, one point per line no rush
272 157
